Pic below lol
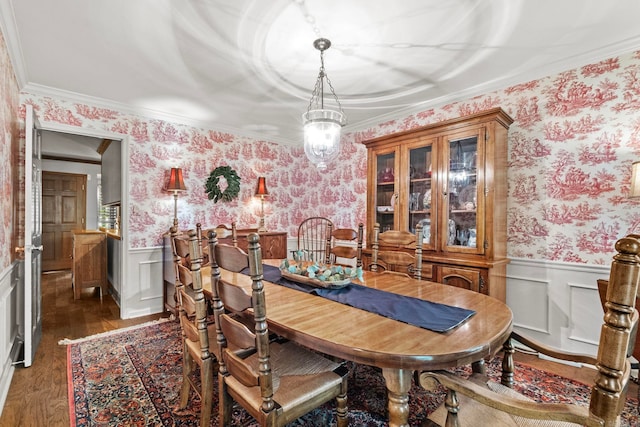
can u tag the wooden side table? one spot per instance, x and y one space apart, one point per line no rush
89 261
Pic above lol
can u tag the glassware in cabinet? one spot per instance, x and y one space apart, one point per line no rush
385 191
462 192
420 204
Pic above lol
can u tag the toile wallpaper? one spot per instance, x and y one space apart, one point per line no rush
9 155
571 146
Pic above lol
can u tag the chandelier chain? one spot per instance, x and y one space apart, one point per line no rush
318 91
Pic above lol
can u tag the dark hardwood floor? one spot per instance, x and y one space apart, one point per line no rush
38 394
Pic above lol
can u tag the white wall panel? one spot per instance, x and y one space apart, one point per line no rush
141 291
556 303
587 314
8 328
524 293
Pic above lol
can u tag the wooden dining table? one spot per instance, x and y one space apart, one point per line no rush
398 348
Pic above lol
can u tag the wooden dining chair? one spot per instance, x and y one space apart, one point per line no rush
223 231
392 258
181 241
313 236
345 244
634 344
278 382
477 401
198 333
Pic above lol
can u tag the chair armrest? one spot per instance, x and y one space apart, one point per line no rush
512 403
553 352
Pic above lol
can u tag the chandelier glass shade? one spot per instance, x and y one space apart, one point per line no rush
322 125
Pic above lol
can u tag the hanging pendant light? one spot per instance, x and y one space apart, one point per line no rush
322 125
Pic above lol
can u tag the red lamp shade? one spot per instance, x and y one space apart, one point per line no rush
261 188
175 181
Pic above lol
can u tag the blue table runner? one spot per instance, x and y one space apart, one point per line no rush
413 311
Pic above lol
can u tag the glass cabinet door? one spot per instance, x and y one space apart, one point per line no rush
420 202
463 195
386 194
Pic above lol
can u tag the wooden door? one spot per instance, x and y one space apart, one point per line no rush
63 210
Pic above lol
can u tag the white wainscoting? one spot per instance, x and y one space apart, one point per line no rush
557 303
8 327
141 291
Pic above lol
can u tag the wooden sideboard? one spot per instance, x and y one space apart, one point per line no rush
273 243
89 268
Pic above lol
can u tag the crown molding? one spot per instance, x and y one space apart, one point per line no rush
41 90
627 47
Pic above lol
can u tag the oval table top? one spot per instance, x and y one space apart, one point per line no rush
363 337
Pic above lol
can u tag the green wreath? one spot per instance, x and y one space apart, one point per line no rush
233 181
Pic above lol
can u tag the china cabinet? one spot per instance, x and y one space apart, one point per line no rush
451 177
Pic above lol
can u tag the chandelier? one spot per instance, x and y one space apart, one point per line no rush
322 125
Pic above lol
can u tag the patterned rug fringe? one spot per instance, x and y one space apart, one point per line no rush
67 341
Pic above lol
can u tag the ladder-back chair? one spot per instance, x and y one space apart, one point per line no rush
345 244
477 401
198 335
392 258
279 382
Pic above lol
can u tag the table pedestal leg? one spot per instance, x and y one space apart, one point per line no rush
398 382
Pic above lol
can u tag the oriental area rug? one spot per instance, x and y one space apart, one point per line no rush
132 377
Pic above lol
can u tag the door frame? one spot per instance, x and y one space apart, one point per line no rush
124 188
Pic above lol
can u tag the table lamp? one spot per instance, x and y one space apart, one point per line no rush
261 190
634 191
176 184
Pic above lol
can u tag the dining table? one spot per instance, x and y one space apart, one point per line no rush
398 348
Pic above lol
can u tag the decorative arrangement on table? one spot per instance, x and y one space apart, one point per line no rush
223 184
318 274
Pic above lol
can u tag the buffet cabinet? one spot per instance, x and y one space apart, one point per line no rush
450 177
89 267
272 243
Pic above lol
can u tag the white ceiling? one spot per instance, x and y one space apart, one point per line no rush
249 66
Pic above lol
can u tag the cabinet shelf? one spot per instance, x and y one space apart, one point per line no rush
418 180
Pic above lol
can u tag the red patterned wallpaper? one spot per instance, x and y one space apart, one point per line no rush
570 151
9 155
